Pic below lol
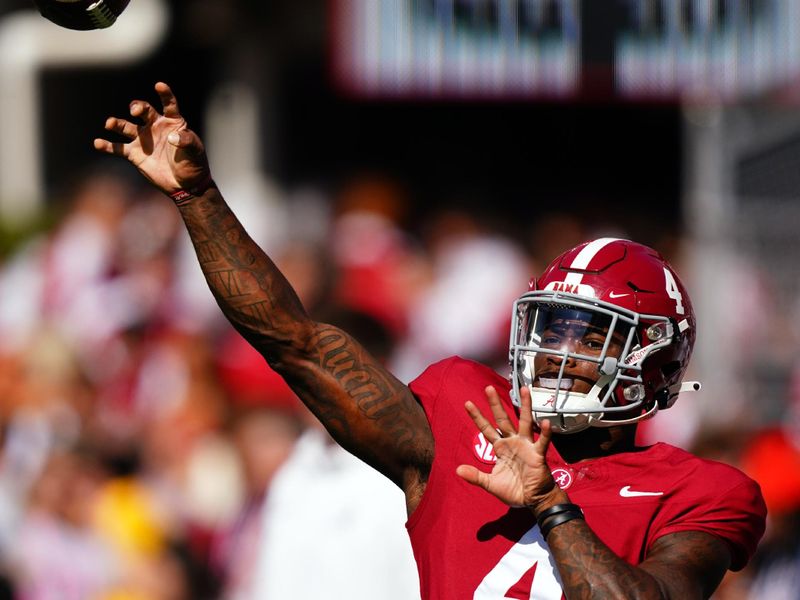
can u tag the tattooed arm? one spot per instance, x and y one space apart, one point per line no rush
679 565
682 565
364 407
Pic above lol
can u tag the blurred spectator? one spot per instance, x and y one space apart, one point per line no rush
58 278
551 233
771 456
57 554
326 513
42 392
773 459
379 269
266 424
477 275
265 438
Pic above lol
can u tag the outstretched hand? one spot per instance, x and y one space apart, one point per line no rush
520 476
162 147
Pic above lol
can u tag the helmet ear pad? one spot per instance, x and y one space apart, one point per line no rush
666 367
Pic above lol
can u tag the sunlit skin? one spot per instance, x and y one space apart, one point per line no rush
574 336
577 337
374 415
580 337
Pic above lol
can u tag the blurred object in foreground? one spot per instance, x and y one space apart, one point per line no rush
435 48
622 49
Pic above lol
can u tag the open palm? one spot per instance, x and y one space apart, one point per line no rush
520 476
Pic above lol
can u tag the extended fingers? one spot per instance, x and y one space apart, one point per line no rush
472 475
482 423
168 101
144 111
501 417
122 127
545 435
525 412
115 148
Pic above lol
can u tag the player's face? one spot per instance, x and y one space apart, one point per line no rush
574 334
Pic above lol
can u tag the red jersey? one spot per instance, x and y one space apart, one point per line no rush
470 545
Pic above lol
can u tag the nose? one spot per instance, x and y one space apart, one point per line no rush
566 347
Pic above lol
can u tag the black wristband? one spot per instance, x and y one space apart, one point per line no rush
556 509
559 519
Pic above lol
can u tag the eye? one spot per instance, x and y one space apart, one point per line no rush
593 343
551 340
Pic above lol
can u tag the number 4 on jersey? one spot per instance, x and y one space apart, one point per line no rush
526 572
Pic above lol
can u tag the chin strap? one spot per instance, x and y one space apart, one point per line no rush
674 390
592 399
594 393
642 417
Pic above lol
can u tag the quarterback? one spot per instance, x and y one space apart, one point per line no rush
528 488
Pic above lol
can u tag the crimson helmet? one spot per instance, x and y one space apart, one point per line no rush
614 303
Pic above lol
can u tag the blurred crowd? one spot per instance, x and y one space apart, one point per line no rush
148 453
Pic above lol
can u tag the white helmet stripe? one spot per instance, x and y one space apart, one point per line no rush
585 256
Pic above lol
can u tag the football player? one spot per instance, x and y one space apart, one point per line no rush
537 489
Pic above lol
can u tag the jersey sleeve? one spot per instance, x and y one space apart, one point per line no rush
427 387
736 515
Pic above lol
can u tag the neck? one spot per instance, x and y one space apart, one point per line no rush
595 442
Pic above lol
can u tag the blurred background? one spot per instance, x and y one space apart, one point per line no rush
410 164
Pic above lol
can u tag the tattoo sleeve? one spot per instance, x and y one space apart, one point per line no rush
364 407
680 565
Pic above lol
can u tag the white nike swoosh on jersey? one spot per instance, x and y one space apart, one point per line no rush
615 295
627 492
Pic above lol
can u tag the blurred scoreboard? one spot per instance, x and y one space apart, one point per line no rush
566 49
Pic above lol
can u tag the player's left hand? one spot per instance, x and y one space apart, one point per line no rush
520 476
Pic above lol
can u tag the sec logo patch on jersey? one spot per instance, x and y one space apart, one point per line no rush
483 449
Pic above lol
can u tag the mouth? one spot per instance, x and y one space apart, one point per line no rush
552 383
570 382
